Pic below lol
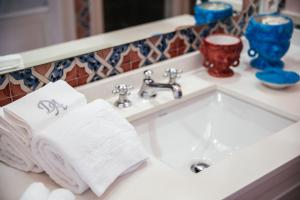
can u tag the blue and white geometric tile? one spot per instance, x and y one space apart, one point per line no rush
27 81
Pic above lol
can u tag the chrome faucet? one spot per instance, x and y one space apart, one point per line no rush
149 87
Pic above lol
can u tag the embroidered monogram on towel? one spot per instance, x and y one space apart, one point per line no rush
51 106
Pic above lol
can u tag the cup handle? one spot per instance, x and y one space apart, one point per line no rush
236 63
252 52
206 63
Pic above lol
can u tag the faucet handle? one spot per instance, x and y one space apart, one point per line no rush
123 91
148 73
173 74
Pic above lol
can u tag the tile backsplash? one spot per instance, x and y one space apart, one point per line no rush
104 63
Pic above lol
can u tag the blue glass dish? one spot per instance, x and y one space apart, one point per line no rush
278 78
213 11
269 42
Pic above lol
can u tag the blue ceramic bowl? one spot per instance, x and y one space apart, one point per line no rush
269 38
213 11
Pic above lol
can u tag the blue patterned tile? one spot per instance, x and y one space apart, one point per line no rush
5 91
228 24
162 46
92 63
114 72
143 47
164 42
117 53
147 62
250 11
58 69
96 77
198 43
242 22
169 36
206 30
26 76
189 34
162 58
3 78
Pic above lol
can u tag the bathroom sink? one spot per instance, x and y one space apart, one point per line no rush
205 130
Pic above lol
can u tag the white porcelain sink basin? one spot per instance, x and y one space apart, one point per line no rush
206 129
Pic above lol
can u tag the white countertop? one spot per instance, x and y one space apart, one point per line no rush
156 180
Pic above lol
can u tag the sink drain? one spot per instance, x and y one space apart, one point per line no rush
199 167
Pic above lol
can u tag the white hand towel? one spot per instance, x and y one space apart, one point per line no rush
35 112
89 147
12 151
12 61
36 191
61 194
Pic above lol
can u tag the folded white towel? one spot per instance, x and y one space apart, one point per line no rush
12 61
35 112
61 194
12 151
42 107
89 147
36 191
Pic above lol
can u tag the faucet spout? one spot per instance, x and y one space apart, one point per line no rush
150 87
177 92
175 88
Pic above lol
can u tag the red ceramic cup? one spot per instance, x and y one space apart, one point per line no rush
220 52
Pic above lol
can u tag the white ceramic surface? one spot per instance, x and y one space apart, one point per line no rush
222 39
274 20
207 128
214 6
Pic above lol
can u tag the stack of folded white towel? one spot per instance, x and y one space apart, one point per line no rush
78 145
20 120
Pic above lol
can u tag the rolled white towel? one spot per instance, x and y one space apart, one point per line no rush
36 191
61 194
89 147
12 151
34 112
